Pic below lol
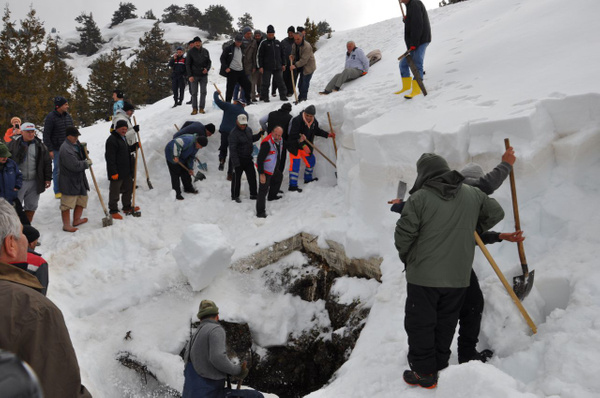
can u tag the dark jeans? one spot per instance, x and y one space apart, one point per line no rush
237 77
223 149
202 81
117 188
431 315
271 186
303 86
277 79
178 87
470 319
246 166
196 386
177 172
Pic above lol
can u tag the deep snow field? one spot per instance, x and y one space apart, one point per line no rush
520 69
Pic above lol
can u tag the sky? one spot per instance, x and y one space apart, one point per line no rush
341 15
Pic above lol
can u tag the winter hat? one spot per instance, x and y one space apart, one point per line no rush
258 32
127 106
287 107
121 123
15 119
59 101
179 48
472 171
28 127
202 140
246 30
207 307
310 110
190 42
291 29
31 233
242 119
270 29
239 37
119 93
299 29
210 127
197 38
72 131
4 152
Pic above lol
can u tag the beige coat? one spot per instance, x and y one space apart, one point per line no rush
307 58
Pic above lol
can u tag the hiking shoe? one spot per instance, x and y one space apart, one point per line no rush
309 181
482 356
294 189
253 197
179 197
116 216
201 110
189 102
229 176
195 112
274 198
237 200
422 380
325 92
130 211
221 166
261 215
193 190
178 103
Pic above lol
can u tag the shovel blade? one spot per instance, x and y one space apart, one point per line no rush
107 222
522 284
149 184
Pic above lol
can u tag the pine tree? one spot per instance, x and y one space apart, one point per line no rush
217 20
151 62
312 33
245 20
89 34
107 73
59 75
80 107
173 14
125 12
324 28
149 15
9 41
192 16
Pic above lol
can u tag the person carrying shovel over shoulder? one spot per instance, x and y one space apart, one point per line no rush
119 167
180 154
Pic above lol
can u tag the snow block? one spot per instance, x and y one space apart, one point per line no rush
202 254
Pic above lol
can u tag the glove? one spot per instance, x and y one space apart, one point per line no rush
412 48
135 146
114 177
136 128
88 162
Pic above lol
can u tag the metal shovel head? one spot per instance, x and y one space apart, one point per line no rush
522 284
107 221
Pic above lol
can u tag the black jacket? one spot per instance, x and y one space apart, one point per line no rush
55 129
270 55
416 26
178 66
299 127
118 156
196 61
279 118
240 144
43 163
263 152
286 45
227 57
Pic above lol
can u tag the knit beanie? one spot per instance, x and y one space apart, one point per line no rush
30 233
59 101
310 110
207 307
202 140
270 29
121 123
4 152
127 106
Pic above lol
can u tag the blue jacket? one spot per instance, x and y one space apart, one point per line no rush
230 113
357 60
184 148
55 130
10 178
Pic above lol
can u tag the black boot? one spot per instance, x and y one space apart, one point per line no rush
482 356
417 379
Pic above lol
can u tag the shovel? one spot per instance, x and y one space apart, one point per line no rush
294 86
331 129
523 283
133 211
106 221
143 157
199 175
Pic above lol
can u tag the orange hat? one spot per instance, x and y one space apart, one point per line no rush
15 120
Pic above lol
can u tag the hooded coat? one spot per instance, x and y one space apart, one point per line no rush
435 235
43 163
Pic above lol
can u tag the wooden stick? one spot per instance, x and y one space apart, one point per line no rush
508 288
134 181
219 91
401 9
331 129
322 154
294 85
143 156
176 128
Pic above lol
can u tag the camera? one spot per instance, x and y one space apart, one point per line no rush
17 126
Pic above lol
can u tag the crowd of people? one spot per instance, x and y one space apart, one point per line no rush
434 235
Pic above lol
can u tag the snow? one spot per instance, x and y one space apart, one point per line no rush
202 254
519 69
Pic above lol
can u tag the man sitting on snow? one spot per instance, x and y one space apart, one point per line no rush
357 65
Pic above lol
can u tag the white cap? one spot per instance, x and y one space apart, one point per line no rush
28 127
242 119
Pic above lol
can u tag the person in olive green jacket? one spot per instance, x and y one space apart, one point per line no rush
434 238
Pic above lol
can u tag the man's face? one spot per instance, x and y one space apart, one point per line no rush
63 108
122 131
115 97
130 112
248 35
270 36
28 135
180 53
277 134
291 35
241 126
309 117
238 43
72 139
198 44
350 47
298 38
258 36
3 160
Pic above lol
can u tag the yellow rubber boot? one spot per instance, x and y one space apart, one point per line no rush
406 82
416 90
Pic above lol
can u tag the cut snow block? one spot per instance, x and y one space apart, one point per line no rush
203 253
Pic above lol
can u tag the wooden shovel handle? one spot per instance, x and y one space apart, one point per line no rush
508 288
513 193
401 9
331 129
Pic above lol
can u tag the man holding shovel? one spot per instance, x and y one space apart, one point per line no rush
180 154
120 170
434 238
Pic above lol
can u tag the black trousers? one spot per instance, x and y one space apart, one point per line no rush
431 315
470 319
223 149
238 77
277 79
177 172
178 87
246 166
270 187
123 189
287 79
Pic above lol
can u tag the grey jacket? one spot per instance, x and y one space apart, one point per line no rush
72 180
207 352
357 60
489 182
